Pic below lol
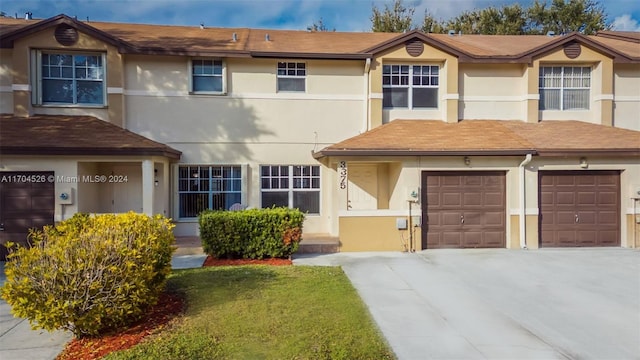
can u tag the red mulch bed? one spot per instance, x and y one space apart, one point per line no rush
211 261
169 306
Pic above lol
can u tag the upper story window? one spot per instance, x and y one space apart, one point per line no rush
208 187
207 76
294 186
410 86
72 79
564 87
292 76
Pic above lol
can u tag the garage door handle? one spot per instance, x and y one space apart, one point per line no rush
577 218
461 219
1 227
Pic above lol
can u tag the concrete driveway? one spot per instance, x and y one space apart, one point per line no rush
501 304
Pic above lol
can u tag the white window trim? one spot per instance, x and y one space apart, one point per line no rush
244 171
306 73
36 80
410 86
562 88
290 190
224 77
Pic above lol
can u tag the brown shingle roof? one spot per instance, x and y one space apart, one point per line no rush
192 40
488 137
74 135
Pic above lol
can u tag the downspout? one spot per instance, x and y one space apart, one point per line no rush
365 115
523 205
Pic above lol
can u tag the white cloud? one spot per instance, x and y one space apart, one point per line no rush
625 23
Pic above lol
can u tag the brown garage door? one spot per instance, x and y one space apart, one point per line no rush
27 200
463 209
579 208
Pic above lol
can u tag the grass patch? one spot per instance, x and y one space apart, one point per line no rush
261 312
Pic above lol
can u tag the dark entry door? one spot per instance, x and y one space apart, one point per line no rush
27 200
463 209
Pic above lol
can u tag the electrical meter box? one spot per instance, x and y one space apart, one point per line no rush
65 196
401 223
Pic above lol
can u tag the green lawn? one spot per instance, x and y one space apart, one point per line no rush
262 312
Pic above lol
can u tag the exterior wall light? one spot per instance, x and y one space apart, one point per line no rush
583 163
467 160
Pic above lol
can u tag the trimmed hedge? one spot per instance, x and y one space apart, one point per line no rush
251 234
89 274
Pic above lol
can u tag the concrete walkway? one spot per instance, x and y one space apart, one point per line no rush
500 304
19 342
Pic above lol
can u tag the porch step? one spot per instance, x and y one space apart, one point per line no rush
318 244
188 245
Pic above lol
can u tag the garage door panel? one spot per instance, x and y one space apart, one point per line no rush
594 218
564 218
586 199
607 198
495 219
565 198
451 239
451 199
476 197
493 199
608 238
450 219
493 239
586 238
472 239
472 219
472 199
566 238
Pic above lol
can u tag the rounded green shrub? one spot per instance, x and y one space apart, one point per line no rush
251 234
90 274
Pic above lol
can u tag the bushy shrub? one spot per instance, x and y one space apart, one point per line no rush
251 234
90 274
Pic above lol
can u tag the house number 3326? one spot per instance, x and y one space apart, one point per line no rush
342 171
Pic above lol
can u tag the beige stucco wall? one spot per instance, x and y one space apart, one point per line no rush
24 76
447 92
251 124
362 233
403 174
6 80
601 104
627 96
492 91
94 197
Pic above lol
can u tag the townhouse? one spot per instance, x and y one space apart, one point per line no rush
387 141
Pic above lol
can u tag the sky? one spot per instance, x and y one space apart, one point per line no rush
343 15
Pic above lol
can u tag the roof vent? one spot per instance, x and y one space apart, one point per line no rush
234 37
266 37
28 16
551 33
452 32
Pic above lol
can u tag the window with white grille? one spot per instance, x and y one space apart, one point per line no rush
208 187
294 186
410 86
564 87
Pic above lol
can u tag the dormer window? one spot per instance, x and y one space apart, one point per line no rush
410 86
71 79
564 87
